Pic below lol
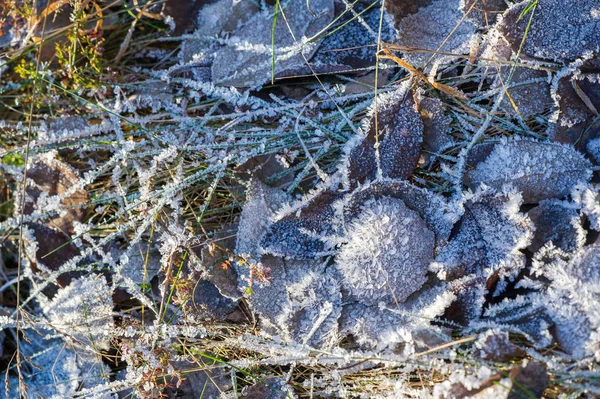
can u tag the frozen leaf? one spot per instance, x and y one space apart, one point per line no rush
53 370
557 223
399 9
302 302
207 302
298 233
436 24
388 250
350 48
527 381
436 131
399 131
538 170
528 89
261 203
215 262
405 326
483 13
198 384
224 16
84 309
247 60
439 215
495 345
530 380
49 258
488 238
561 30
577 101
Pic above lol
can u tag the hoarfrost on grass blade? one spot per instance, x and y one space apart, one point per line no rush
538 170
85 309
388 250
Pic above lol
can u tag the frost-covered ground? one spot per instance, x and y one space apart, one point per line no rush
280 199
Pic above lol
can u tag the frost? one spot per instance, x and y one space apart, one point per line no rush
538 170
84 309
404 326
436 25
388 250
561 30
555 222
587 199
53 370
246 60
495 345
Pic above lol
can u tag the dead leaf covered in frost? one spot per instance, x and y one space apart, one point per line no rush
302 302
261 203
406 324
527 381
573 301
298 232
437 213
436 126
495 345
557 223
482 12
351 47
430 27
577 101
488 238
529 91
272 388
399 130
538 170
388 250
561 30
246 61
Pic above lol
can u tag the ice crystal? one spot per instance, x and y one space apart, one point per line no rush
488 239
